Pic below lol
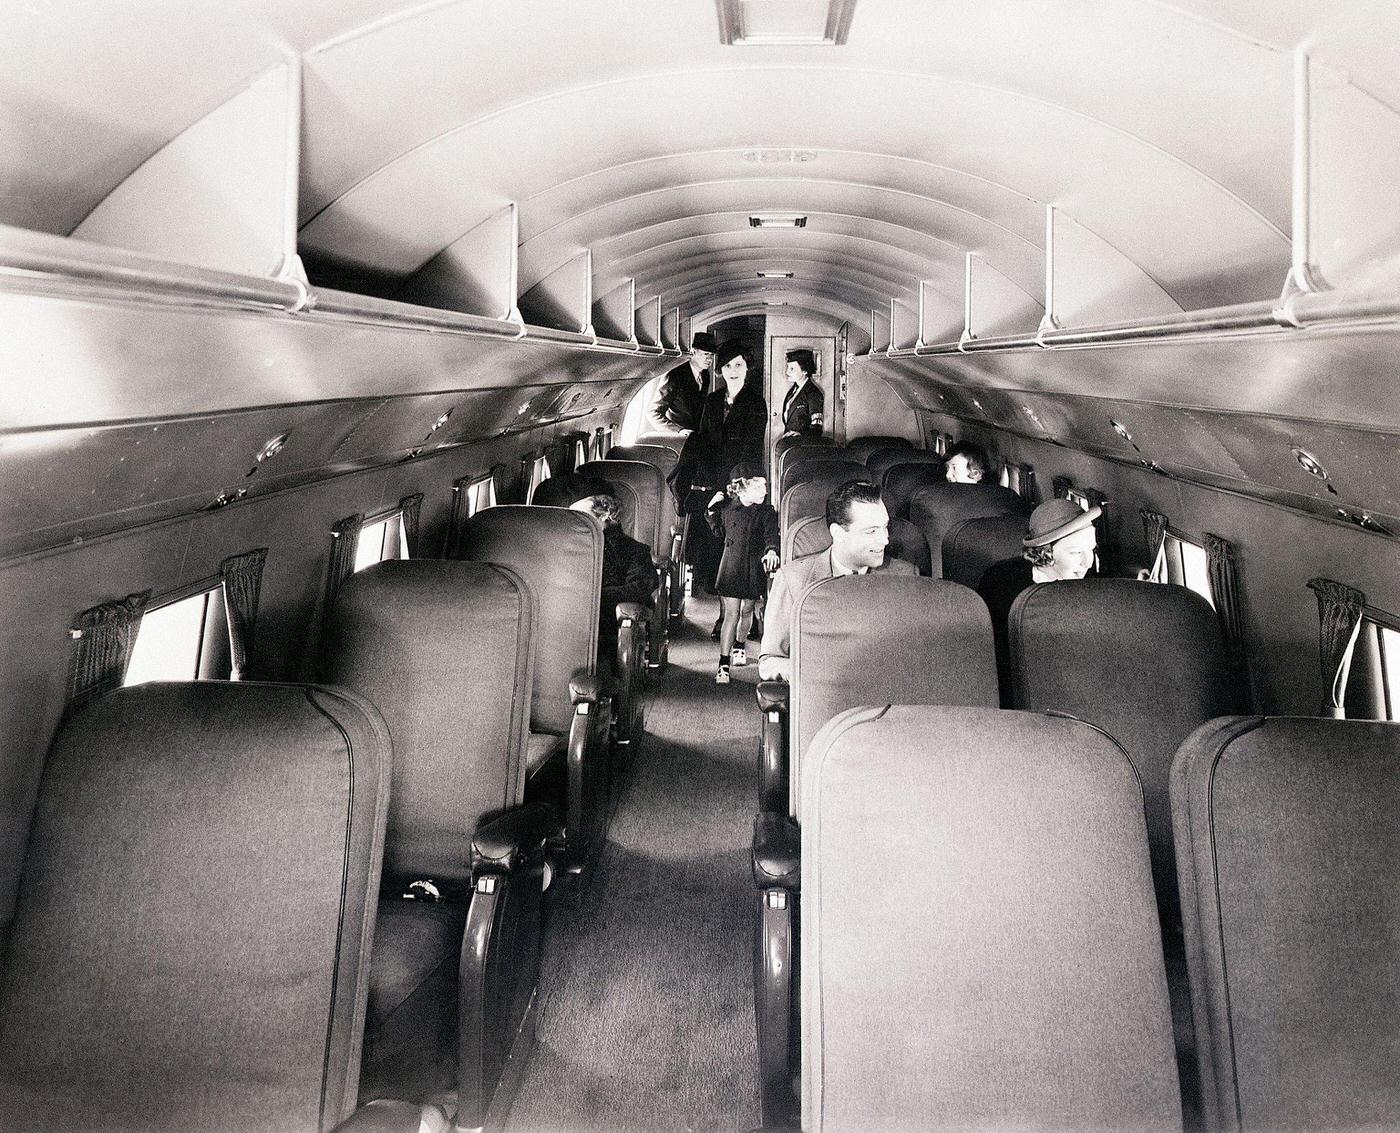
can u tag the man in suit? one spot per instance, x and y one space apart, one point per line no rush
859 526
681 395
802 407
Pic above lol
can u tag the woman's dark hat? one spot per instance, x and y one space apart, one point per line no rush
804 358
745 470
703 341
1054 519
729 351
567 489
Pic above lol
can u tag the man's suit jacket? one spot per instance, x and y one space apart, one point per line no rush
680 398
791 580
802 409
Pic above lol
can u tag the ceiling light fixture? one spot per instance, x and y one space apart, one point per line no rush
784 23
777 220
775 275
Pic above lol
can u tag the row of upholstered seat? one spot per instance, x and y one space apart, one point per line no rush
1081 648
248 905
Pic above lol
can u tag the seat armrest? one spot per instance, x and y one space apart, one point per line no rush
633 610
502 843
585 688
385 1116
777 852
773 694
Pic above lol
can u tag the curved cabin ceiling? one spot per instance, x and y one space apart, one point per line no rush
1162 133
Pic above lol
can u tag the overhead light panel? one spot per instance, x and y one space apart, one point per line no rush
777 220
784 23
780 156
775 275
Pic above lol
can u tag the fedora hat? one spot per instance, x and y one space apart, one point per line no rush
1054 519
703 340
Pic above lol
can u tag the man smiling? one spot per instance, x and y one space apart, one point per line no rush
860 533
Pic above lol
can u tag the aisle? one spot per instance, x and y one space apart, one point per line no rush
647 990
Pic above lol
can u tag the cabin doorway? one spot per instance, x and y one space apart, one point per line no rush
824 350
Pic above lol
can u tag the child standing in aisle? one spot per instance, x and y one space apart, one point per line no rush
748 527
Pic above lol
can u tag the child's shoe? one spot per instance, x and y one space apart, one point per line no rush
739 657
722 674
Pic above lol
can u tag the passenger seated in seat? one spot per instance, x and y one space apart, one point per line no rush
967 464
628 572
748 526
1059 544
860 532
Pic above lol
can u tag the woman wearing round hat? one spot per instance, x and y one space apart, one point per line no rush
1059 544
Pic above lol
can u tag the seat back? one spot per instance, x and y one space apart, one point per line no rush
884 639
1288 831
801 440
937 508
804 454
444 650
861 447
1141 660
809 534
808 485
190 946
559 554
979 944
880 459
898 482
660 457
650 522
973 545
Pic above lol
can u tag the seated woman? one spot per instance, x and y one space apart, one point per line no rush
628 572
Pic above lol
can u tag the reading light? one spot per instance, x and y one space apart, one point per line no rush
791 23
777 220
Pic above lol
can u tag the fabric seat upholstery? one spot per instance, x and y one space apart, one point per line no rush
648 523
880 460
899 482
1287 836
937 508
801 455
979 946
861 447
974 545
1141 660
808 486
190 947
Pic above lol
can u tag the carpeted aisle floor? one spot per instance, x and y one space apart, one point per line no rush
647 990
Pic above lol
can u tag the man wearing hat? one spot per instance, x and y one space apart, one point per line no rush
1059 544
802 407
681 395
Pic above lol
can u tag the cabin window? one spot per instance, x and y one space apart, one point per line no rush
380 539
1078 497
481 494
1373 686
581 451
183 640
1183 563
1011 477
539 473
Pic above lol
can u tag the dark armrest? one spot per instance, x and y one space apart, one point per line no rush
501 843
384 1116
777 852
773 694
634 610
585 688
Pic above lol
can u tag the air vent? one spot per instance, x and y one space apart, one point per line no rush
784 23
775 275
777 220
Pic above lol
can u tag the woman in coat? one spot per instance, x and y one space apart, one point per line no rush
733 424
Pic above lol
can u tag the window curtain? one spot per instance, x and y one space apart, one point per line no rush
1225 589
1099 500
242 579
344 536
461 512
1029 492
411 508
1339 614
499 483
1154 529
102 639
1060 487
